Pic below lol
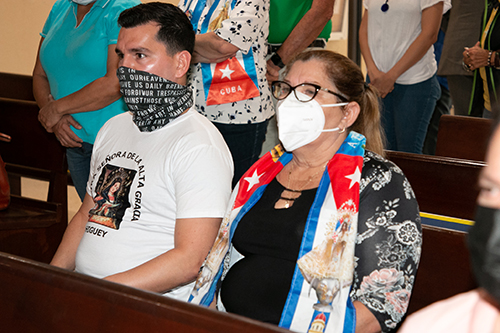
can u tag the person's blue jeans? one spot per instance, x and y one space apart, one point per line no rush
79 166
245 143
406 113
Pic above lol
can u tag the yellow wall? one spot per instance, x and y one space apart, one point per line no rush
21 22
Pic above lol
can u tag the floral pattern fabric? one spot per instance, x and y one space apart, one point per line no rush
247 27
388 243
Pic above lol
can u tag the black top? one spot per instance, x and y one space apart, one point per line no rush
270 240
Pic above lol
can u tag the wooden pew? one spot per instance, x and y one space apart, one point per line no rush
36 297
444 186
16 86
444 269
29 227
463 137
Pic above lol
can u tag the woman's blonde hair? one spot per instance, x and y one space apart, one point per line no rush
349 80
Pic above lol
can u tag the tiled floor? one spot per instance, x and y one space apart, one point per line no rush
38 190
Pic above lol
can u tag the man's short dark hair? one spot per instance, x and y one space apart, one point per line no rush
176 32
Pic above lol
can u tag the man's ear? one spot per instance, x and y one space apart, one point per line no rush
351 113
183 60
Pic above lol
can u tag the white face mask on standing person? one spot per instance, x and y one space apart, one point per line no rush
83 2
300 123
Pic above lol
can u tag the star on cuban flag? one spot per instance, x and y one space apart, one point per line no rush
355 177
253 180
230 83
226 72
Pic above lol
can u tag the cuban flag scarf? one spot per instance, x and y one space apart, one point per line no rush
318 300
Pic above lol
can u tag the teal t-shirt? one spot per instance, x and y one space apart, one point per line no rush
72 56
284 16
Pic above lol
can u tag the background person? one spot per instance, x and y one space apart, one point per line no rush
295 26
396 40
484 59
74 79
301 219
229 73
465 21
173 167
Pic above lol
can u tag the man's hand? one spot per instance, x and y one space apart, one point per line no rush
273 72
49 116
65 134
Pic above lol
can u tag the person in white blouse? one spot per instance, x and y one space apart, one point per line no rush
396 40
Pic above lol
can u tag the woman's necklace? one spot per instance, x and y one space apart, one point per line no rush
385 6
297 193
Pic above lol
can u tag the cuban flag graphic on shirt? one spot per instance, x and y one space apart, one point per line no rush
234 79
229 82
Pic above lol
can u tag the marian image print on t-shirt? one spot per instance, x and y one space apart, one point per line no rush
111 199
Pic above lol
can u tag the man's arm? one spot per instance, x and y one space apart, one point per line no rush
66 252
94 96
193 239
41 87
210 48
303 34
41 91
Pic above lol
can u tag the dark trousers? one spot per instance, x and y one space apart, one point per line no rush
79 166
443 106
245 143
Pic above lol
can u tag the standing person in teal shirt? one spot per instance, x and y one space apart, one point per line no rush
74 79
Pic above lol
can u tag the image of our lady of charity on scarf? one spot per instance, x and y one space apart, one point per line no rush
328 268
111 199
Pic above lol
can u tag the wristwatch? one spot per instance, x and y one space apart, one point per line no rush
276 59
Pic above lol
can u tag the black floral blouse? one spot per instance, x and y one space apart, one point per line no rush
388 243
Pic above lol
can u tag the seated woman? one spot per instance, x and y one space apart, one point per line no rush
327 212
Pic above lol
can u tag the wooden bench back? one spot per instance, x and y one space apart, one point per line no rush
32 151
442 185
16 86
444 269
28 227
463 137
35 297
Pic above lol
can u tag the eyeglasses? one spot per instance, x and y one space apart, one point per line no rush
307 91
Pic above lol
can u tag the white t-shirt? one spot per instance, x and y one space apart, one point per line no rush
391 33
182 170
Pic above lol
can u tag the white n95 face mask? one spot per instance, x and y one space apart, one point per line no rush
83 2
300 123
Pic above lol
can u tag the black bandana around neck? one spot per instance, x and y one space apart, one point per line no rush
153 100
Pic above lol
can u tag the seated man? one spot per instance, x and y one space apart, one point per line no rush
160 175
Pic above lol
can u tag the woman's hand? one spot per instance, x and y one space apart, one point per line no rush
475 57
384 82
65 134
